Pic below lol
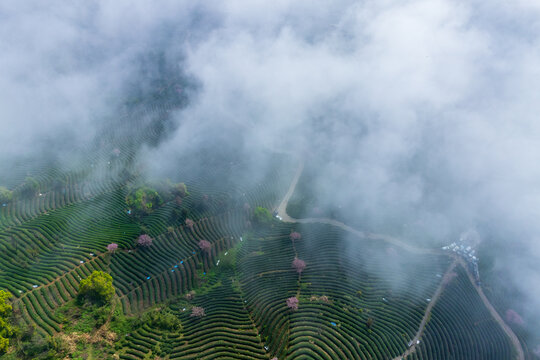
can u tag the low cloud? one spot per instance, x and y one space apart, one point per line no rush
423 111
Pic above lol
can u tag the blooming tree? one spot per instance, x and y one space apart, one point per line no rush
205 246
197 311
513 317
189 224
298 265
112 247
292 303
295 236
144 240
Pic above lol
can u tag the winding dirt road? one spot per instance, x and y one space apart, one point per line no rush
282 212
494 313
415 341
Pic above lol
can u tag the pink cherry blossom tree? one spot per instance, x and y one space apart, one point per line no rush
197 311
144 241
292 303
112 247
295 236
513 317
189 224
205 246
298 265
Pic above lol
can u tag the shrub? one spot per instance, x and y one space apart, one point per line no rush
162 320
32 345
97 288
5 306
5 195
262 215
180 189
169 191
190 295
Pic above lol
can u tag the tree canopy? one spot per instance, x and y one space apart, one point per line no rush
205 246
144 241
5 195
197 311
28 188
6 331
143 200
262 215
292 303
295 236
112 247
298 265
97 287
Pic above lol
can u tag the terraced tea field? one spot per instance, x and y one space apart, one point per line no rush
360 296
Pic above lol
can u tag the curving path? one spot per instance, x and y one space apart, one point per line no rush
494 313
282 212
446 278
